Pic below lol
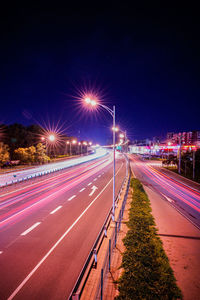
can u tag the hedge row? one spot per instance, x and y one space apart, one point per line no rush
147 273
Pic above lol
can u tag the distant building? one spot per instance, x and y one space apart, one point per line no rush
184 138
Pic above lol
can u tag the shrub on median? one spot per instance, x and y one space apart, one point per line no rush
147 273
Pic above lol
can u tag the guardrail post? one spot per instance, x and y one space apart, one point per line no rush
109 255
101 284
115 233
75 296
95 258
105 231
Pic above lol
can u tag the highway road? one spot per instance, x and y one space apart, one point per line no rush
29 173
181 193
49 225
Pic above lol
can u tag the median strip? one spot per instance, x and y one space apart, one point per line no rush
31 228
146 270
57 208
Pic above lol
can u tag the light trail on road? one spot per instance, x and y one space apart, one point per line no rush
53 221
176 192
45 191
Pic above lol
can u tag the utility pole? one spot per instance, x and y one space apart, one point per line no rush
179 162
113 208
193 163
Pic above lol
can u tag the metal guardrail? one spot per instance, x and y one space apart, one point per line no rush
38 174
91 259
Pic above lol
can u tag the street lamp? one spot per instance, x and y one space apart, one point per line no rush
70 147
94 103
51 137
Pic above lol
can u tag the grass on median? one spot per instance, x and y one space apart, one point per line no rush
147 273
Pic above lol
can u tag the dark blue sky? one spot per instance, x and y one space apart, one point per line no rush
143 58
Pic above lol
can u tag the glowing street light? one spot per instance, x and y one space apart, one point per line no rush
51 138
93 104
70 147
115 129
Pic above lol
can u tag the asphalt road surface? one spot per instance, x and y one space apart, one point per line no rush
48 227
181 193
37 171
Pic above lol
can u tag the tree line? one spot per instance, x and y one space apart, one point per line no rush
23 143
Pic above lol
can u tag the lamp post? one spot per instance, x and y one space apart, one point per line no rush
112 113
70 147
74 142
80 148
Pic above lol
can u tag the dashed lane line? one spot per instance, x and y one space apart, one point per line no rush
72 197
89 183
20 286
82 190
95 179
55 210
31 228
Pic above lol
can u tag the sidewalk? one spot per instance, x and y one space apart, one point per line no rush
181 241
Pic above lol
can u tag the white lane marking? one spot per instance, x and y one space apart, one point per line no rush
168 199
72 197
81 190
132 171
99 175
95 179
89 183
1 252
94 188
57 243
53 211
45 198
31 228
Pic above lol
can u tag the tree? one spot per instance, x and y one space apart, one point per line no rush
40 155
4 153
31 154
26 155
21 154
19 136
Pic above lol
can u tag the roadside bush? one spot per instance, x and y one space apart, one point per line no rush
147 273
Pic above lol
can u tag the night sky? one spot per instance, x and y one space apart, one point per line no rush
143 58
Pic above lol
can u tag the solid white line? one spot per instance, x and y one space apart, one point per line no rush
90 183
31 228
81 190
52 212
57 243
72 197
